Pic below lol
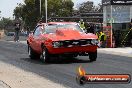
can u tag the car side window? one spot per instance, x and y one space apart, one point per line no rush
38 31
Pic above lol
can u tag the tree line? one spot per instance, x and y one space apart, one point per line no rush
29 12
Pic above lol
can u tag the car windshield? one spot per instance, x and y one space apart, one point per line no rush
52 28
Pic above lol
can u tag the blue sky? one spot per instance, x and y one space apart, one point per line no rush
7 6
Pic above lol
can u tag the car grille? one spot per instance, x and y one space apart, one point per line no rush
71 43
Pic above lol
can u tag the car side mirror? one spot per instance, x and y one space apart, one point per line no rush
31 32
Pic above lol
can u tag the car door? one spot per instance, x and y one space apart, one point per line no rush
37 39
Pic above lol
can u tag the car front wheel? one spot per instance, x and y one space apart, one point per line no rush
31 53
93 56
45 55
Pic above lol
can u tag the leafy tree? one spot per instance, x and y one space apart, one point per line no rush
29 12
89 6
5 23
99 8
86 7
0 14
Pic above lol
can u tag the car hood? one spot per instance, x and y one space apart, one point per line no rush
68 34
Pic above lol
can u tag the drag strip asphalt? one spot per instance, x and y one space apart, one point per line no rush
63 71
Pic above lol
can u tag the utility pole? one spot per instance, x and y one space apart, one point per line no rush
111 27
46 10
40 6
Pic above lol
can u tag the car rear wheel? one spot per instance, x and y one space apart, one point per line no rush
45 56
31 53
93 56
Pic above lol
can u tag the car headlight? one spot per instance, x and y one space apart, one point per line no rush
57 44
94 41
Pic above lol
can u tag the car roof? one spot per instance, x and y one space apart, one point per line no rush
62 23
41 24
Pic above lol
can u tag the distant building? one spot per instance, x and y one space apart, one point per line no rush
117 14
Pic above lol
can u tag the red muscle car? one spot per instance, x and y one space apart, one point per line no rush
65 39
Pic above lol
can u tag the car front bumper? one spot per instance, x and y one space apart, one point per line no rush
77 49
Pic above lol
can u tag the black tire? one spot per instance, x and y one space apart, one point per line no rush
31 53
93 56
45 56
